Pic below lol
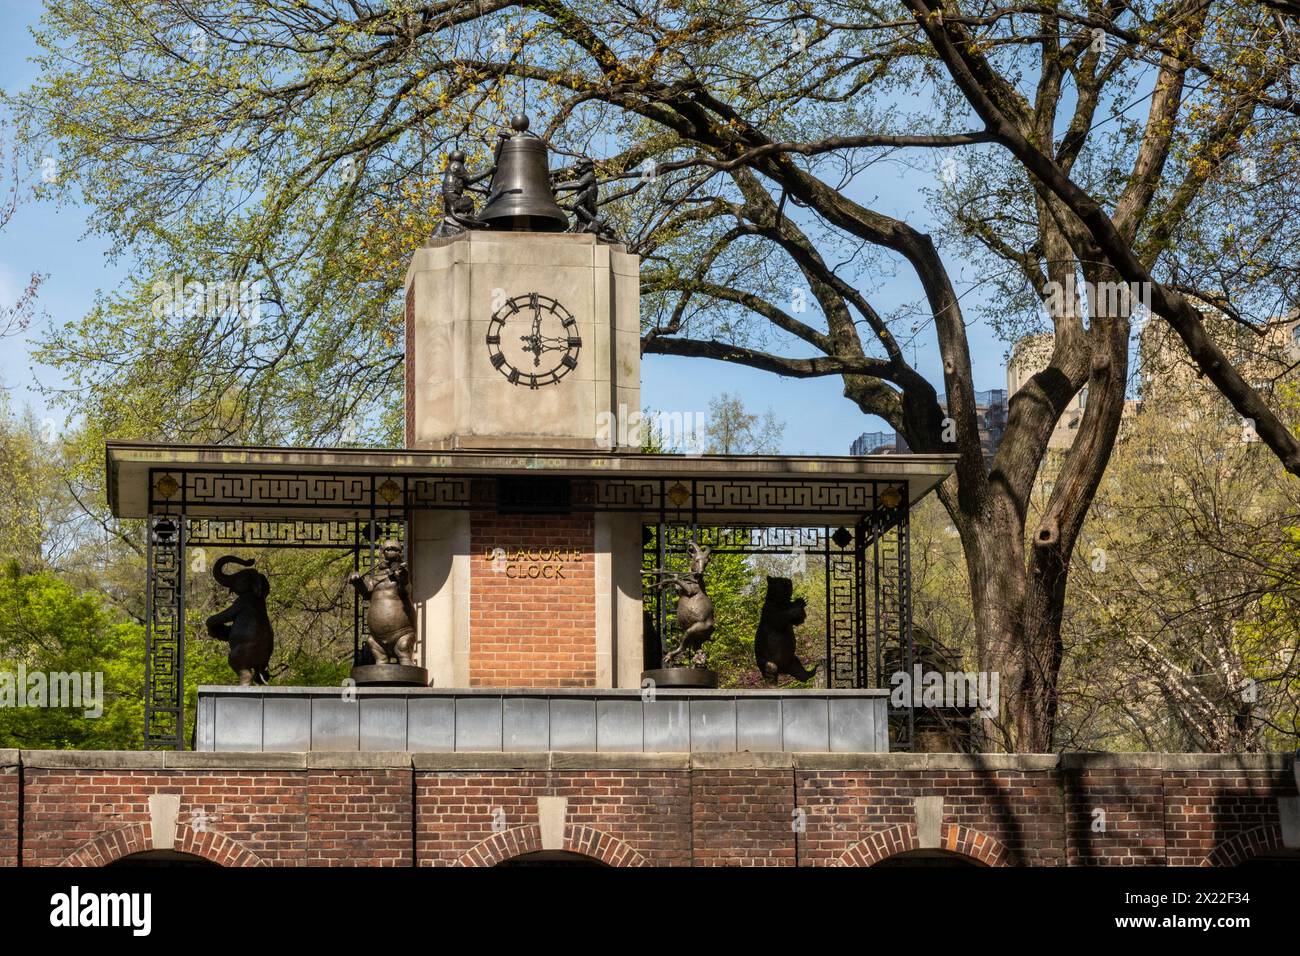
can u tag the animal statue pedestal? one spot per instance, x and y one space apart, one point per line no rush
389 675
390 617
680 677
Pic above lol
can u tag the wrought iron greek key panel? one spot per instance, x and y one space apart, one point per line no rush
164 711
846 652
450 493
177 491
825 497
278 490
892 572
747 539
271 533
640 495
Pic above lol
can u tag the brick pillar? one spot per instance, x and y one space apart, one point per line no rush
9 810
532 600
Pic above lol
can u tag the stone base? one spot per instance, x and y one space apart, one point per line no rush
681 677
390 675
484 720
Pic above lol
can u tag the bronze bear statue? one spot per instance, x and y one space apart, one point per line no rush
774 640
245 625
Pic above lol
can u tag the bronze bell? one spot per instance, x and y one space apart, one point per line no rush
520 198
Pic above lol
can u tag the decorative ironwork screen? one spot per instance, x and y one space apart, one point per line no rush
867 570
889 574
685 500
170 536
867 581
164 662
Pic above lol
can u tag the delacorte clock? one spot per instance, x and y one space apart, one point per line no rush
533 340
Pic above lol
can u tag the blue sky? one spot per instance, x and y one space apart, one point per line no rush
819 420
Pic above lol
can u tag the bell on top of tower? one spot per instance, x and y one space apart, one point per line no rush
520 197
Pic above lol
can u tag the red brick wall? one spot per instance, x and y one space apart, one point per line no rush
9 816
1224 815
743 818
538 631
1019 810
359 818
262 811
669 810
1116 817
649 812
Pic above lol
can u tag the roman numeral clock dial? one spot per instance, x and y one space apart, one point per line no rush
533 340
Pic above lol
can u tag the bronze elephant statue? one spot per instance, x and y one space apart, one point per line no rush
245 625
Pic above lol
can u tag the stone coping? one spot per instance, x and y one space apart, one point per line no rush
128 464
576 462
560 760
629 693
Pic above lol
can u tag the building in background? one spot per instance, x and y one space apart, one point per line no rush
1262 355
991 411
879 443
1029 356
1166 373
990 408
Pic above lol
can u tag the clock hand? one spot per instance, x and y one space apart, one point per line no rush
533 343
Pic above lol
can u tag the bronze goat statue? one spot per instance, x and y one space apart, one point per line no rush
694 606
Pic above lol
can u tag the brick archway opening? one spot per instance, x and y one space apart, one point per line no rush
553 858
526 841
206 845
1261 845
900 843
161 858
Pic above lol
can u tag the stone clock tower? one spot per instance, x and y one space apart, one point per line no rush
521 340
522 337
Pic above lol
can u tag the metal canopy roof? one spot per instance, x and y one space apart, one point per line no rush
230 481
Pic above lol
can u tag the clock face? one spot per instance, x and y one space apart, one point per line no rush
533 340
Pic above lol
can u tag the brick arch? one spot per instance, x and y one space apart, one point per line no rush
586 841
1246 844
608 849
900 839
138 838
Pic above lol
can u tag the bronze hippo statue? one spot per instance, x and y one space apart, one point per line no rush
390 615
